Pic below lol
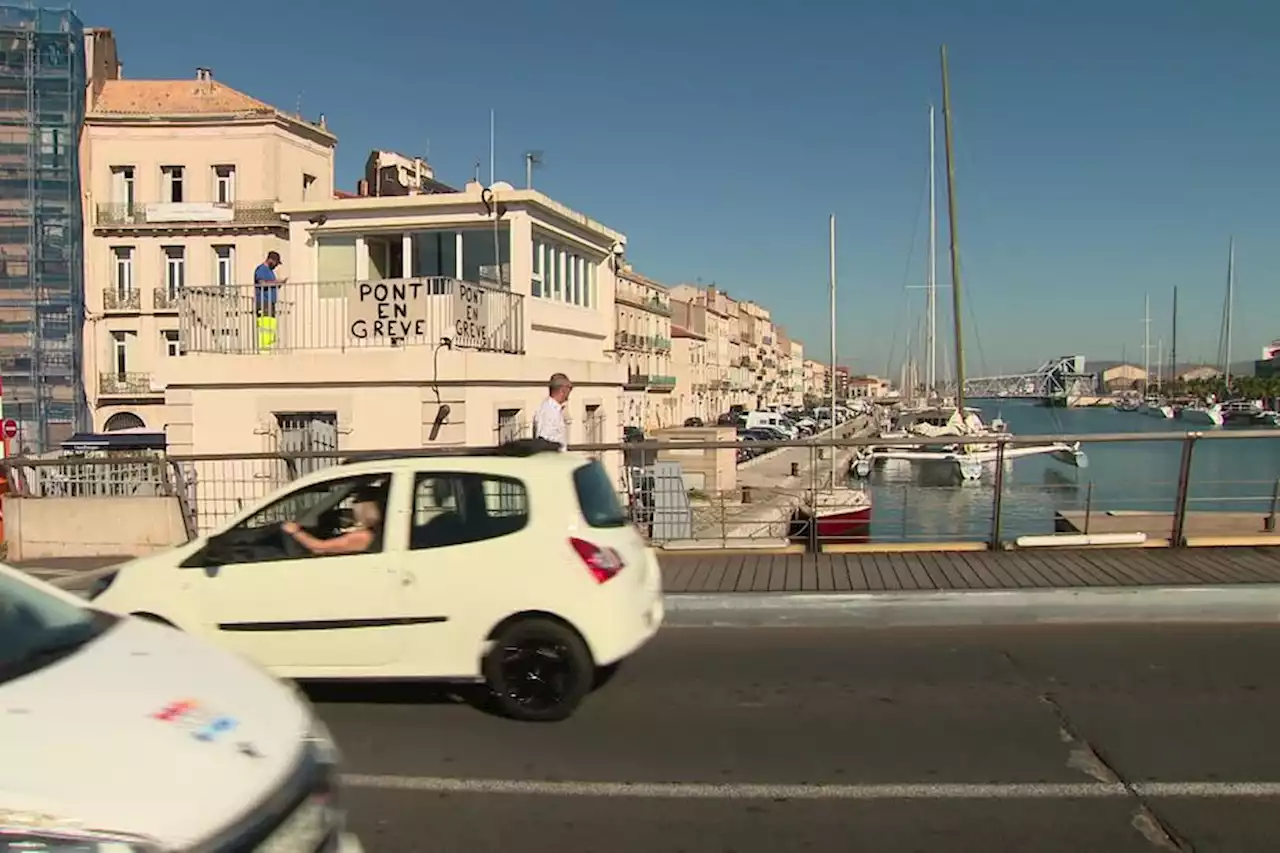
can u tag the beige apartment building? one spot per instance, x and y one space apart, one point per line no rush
643 345
817 379
182 182
689 342
407 315
872 387
792 370
427 319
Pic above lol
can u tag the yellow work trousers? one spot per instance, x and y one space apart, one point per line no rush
266 333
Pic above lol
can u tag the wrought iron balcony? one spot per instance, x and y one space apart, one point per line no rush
116 299
178 215
126 385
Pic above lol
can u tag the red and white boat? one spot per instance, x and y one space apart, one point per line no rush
842 514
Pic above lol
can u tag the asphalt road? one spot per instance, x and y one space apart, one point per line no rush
844 739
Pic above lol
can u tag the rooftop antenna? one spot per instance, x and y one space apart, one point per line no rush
492 136
532 160
299 110
476 175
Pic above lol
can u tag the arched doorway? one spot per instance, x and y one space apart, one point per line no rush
122 421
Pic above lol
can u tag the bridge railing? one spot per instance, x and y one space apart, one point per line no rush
1163 489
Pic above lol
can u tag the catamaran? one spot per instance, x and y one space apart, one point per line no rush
950 417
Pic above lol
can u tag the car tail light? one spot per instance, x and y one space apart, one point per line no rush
603 563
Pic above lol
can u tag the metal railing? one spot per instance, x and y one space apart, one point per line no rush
164 298
1139 488
181 214
115 299
346 315
125 384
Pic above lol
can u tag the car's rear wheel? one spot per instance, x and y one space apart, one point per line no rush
538 671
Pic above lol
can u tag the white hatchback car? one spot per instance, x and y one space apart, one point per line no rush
122 737
519 569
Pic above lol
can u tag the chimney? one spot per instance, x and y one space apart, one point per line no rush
204 74
323 123
362 188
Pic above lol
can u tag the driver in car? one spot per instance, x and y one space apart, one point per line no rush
367 514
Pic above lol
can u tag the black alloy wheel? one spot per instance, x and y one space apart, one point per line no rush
538 671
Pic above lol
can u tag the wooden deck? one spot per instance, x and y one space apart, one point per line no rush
743 572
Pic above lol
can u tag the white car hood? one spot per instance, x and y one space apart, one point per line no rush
82 743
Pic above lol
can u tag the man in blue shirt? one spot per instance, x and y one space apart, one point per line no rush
266 286
266 289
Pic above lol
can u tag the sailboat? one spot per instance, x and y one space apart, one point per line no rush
1152 404
1211 413
951 418
840 512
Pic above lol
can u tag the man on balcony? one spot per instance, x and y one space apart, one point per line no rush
548 421
266 289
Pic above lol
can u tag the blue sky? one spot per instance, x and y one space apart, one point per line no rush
1104 150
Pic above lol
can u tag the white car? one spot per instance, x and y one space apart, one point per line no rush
519 569
124 737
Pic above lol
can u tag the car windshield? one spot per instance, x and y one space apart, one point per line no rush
599 502
38 629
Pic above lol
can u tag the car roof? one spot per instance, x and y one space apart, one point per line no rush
495 461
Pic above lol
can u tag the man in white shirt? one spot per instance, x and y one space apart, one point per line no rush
548 421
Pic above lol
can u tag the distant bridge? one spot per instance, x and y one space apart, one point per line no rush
1058 377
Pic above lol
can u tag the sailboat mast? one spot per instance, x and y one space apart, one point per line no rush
1146 344
1173 348
1231 286
956 301
832 252
1159 364
931 381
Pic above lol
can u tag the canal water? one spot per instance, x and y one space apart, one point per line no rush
1227 475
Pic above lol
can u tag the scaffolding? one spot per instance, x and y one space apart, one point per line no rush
42 104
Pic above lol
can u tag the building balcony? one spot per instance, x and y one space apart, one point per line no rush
652 304
662 384
636 381
170 216
132 385
118 301
164 300
661 344
350 316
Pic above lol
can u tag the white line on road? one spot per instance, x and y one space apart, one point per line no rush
709 791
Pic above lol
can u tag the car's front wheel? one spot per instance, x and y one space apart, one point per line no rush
538 671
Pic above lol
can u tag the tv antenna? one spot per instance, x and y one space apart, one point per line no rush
532 160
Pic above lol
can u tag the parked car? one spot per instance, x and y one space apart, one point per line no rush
463 582
121 736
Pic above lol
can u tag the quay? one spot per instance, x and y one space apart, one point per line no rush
769 493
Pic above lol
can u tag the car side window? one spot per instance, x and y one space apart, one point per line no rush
324 510
452 508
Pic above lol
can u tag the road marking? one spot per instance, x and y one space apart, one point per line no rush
710 791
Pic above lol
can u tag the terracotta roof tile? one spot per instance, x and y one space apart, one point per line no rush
175 97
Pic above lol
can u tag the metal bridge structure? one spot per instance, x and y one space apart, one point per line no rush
1063 378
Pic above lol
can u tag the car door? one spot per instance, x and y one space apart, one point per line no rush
464 535
309 611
